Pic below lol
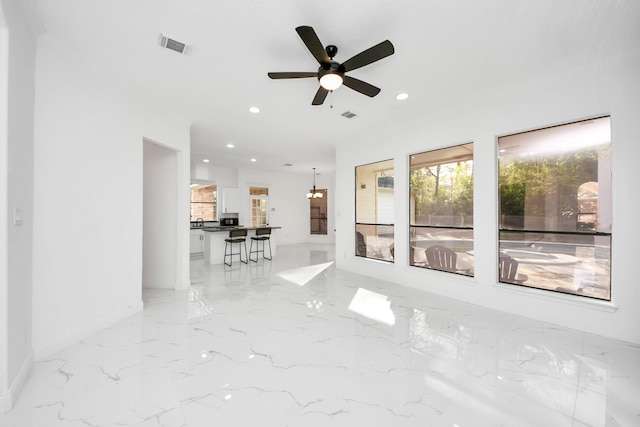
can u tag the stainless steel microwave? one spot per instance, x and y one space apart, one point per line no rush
227 222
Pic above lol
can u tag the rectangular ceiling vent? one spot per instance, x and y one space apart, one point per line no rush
174 45
348 114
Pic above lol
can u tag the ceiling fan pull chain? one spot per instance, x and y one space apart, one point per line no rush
331 93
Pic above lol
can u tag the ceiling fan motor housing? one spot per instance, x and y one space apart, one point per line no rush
332 67
332 50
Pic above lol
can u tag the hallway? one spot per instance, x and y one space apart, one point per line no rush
294 342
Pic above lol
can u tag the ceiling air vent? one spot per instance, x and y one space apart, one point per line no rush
174 45
348 114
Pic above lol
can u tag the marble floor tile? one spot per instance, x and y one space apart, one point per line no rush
294 342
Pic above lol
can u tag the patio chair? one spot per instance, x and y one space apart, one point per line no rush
361 246
509 270
441 258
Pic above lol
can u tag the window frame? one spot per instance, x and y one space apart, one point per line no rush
578 238
466 261
360 240
214 202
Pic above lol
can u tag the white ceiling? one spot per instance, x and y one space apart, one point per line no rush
444 50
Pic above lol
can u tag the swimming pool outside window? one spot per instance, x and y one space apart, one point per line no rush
555 208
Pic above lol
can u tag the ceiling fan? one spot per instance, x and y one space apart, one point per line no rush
331 74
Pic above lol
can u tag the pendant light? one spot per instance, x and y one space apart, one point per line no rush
314 194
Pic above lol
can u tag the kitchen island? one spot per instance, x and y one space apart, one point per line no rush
214 242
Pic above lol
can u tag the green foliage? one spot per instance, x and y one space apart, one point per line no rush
529 181
443 189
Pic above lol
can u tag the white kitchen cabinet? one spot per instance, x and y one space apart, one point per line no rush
196 244
230 200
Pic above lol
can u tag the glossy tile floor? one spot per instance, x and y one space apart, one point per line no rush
296 343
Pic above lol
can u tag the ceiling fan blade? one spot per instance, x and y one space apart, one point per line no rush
373 54
293 75
311 40
360 86
321 94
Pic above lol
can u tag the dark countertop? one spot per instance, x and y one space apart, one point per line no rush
228 228
199 226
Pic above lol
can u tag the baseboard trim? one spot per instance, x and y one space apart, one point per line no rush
159 285
9 398
76 336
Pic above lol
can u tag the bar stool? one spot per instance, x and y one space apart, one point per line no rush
262 235
235 236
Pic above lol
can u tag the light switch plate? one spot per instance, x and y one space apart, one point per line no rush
17 216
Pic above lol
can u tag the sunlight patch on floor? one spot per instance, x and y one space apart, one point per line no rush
303 275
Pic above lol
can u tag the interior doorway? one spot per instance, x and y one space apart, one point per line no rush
318 212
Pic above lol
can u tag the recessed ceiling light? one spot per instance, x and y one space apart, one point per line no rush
402 96
254 110
205 160
253 160
230 145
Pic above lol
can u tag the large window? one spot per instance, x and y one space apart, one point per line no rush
555 208
375 211
204 202
259 197
441 209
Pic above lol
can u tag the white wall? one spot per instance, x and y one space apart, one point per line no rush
608 86
159 244
89 133
223 176
17 82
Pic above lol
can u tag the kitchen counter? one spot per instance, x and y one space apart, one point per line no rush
214 242
217 229
197 225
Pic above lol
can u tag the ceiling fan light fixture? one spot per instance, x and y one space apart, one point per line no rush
332 80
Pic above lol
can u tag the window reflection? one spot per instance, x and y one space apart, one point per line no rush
199 305
438 336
